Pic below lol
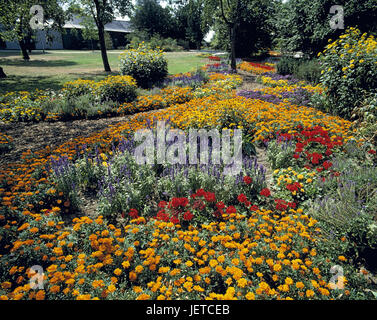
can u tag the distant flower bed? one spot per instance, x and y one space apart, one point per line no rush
115 95
256 68
214 58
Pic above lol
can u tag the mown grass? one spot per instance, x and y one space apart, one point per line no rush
53 68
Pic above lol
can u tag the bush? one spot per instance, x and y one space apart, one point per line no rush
303 69
117 88
309 70
287 65
78 87
349 68
81 107
149 67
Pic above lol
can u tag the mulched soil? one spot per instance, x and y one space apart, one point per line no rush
36 136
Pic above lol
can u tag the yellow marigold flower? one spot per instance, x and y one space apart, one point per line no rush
139 269
277 267
117 272
242 282
188 263
143 296
309 293
300 285
250 296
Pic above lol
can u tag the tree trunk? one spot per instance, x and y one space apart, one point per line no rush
23 47
2 74
233 65
101 35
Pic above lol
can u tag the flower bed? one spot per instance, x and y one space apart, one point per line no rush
256 68
188 232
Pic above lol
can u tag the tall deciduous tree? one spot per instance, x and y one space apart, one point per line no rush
150 17
189 22
16 15
254 31
102 12
229 13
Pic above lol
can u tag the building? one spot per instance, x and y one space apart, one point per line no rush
71 37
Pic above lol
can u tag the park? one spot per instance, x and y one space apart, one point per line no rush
283 91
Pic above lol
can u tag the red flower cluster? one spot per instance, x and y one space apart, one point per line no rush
247 179
265 192
134 213
208 196
316 138
282 205
214 58
294 186
262 66
179 202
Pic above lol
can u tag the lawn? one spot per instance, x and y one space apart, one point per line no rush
53 68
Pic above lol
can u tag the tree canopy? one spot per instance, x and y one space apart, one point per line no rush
16 15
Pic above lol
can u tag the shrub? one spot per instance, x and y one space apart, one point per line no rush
308 70
78 87
147 66
287 65
117 88
302 69
84 106
349 68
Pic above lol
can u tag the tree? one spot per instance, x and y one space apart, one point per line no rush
304 25
102 12
254 32
228 13
16 15
150 17
189 22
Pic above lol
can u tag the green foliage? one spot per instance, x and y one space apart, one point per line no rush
349 68
189 27
308 70
348 205
280 153
154 42
147 66
82 107
117 88
366 116
150 17
287 65
304 25
253 25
